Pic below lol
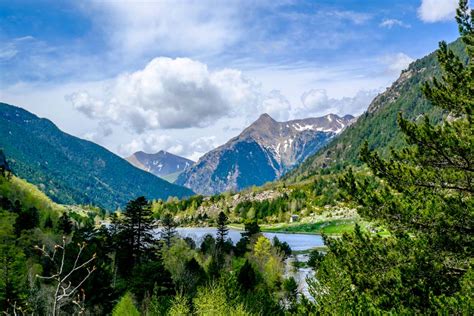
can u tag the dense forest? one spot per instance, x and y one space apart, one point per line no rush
61 260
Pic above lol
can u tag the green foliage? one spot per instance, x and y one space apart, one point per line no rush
180 306
423 195
168 230
134 233
212 300
125 307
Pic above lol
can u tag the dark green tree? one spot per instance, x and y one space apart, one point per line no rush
27 219
423 195
247 276
222 229
135 232
251 229
5 170
168 230
65 224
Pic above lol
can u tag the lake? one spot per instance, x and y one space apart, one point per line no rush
297 242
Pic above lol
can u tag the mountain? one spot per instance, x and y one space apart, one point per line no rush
378 125
161 164
71 170
263 152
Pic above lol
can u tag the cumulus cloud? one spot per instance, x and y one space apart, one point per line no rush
395 63
316 102
276 105
437 10
170 93
390 23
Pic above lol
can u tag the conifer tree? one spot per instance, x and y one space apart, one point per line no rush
423 195
168 232
222 229
136 229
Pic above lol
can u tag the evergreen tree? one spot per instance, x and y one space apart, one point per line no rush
136 230
424 197
168 231
125 307
222 229
251 229
247 276
5 170
27 219
65 224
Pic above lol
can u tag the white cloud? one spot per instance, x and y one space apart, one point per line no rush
437 10
151 142
276 105
171 93
355 17
136 27
390 23
316 102
395 63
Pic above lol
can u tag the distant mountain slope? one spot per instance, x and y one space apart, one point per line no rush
263 152
378 125
160 164
71 170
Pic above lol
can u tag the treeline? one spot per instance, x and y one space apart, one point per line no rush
297 199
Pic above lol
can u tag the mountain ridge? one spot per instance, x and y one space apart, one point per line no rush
263 152
71 170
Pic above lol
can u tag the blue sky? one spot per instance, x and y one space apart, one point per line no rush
148 75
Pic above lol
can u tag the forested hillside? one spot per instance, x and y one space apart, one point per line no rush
378 125
71 170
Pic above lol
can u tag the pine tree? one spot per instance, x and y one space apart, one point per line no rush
222 229
65 224
136 231
168 232
423 195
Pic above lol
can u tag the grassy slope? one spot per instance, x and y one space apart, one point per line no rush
17 189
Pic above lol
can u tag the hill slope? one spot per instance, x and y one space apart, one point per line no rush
378 125
71 170
263 152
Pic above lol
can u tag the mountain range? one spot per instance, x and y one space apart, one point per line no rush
162 164
71 170
263 152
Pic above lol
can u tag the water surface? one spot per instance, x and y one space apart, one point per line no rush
296 241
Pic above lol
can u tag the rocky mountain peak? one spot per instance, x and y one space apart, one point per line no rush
263 152
161 163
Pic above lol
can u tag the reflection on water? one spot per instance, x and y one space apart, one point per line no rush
296 241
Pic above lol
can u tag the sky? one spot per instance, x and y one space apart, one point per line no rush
186 76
